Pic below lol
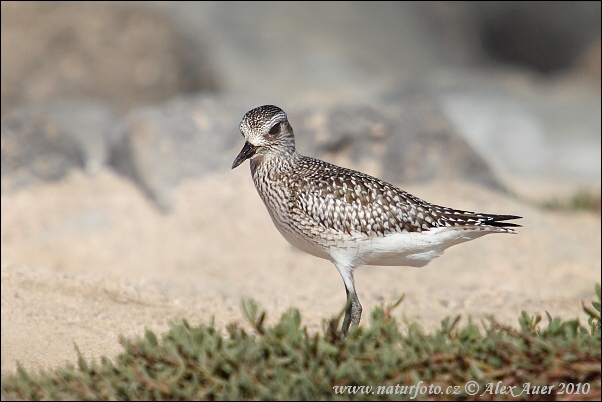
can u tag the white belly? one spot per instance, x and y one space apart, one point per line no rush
399 249
412 249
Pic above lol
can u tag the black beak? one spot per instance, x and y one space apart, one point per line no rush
247 151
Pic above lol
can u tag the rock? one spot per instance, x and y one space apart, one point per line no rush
44 142
159 146
542 139
547 39
35 149
403 139
125 55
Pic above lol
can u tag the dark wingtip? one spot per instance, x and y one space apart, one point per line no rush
499 221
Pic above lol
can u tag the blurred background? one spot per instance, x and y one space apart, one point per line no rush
520 81
119 124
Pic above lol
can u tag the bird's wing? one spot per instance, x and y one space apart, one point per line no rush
353 202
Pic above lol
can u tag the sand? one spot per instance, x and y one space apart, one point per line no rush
88 258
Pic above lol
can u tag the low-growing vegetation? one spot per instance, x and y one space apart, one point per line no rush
580 201
384 360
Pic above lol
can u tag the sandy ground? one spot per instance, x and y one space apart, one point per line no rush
88 258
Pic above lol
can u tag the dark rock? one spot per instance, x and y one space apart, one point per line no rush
35 149
406 140
123 54
547 38
45 141
159 146
88 123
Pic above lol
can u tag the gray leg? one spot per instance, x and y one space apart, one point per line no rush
353 313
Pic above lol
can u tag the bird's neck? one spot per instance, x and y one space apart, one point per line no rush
274 164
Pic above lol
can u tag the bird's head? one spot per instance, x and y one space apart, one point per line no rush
266 131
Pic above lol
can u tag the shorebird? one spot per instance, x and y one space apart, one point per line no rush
345 216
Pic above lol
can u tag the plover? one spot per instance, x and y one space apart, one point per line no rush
345 216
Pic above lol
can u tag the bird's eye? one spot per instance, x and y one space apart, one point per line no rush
275 129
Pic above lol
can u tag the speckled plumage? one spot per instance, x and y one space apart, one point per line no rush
346 216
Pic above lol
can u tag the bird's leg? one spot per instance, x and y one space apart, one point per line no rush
356 311
347 319
353 309
353 312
